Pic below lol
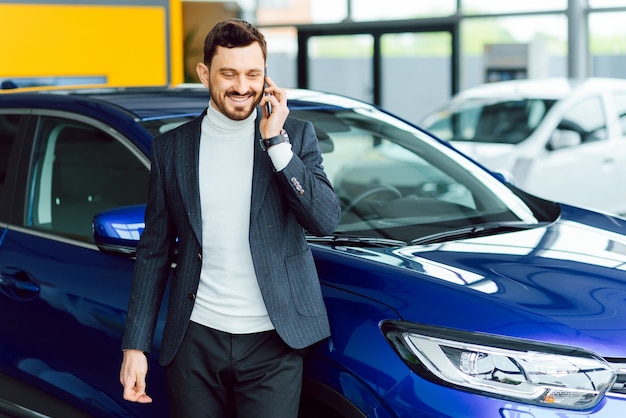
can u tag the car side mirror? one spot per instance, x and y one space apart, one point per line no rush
117 231
564 138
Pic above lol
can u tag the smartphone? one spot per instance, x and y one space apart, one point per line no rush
268 105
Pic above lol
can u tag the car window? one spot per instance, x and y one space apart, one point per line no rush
588 119
395 182
79 171
8 133
620 104
481 120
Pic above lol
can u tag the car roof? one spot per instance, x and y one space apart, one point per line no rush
554 88
146 103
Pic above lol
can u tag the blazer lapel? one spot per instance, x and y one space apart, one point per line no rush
187 161
261 173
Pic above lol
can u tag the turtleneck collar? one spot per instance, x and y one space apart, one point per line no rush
223 124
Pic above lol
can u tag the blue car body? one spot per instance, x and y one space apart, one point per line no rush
558 285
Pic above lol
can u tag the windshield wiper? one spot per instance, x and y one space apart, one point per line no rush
475 230
356 241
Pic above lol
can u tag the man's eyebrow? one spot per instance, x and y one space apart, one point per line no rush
234 70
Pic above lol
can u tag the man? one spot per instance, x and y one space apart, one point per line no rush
233 191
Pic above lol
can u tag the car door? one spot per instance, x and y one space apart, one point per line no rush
62 301
585 172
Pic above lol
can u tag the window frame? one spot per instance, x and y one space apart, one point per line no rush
13 182
22 215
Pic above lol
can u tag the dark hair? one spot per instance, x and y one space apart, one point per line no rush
232 33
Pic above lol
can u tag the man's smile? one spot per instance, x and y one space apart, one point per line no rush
239 99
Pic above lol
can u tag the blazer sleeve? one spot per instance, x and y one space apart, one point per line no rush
308 190
153 261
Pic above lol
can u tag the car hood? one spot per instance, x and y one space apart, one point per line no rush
564 283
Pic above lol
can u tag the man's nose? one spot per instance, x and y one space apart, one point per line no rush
241 84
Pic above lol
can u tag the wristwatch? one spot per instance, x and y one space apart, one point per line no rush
278 139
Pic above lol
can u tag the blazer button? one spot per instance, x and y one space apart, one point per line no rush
199 256
192 296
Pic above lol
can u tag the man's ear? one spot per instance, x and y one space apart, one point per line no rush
203 74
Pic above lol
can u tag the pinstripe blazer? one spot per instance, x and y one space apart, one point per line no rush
283 205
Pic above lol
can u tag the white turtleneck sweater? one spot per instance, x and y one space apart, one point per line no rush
229 298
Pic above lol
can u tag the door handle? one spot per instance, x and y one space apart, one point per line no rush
18 285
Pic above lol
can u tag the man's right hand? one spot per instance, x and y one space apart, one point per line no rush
133 376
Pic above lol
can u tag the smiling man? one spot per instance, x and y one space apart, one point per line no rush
232 191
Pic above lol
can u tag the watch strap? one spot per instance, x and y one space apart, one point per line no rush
275 140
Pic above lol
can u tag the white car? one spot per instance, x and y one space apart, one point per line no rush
561 139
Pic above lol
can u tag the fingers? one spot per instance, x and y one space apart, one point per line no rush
133 376
135 390
271 125
270 83
272 91
278 101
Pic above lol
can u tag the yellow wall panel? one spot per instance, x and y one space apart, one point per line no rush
125 44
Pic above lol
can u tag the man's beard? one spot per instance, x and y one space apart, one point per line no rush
240 112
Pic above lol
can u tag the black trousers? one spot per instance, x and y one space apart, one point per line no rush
222 375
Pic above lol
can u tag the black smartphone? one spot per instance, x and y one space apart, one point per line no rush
268 105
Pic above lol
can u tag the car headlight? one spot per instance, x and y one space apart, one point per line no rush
509 368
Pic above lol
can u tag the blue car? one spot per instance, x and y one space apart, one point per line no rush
451 293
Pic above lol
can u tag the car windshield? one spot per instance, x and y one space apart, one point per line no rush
396 183
481 120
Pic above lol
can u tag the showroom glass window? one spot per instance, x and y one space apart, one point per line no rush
8 133
79 171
